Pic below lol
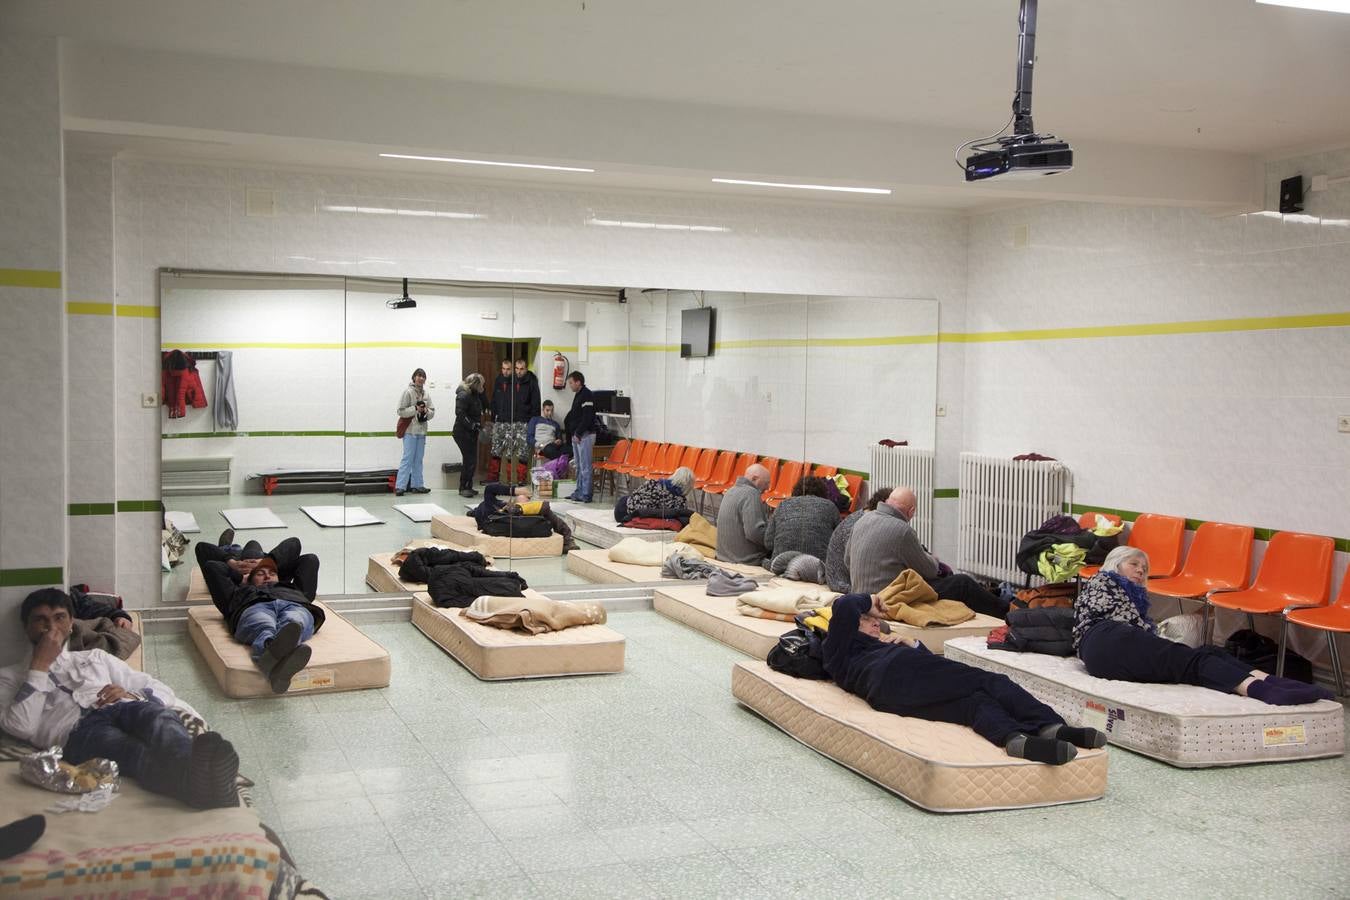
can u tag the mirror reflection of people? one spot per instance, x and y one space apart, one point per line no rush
580 424
468 422
516 500
743 518
515 400
544 434
414 404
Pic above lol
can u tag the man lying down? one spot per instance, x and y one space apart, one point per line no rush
91 704
898 675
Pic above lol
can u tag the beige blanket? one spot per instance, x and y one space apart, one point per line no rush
782 601
911 600
637 552
701 534
533 614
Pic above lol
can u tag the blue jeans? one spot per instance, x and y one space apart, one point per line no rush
260 622
410 466
137 735
584 448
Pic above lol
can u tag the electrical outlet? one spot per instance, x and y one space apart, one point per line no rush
1343 424
942 409
149 401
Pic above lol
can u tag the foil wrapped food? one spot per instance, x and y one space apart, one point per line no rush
47 770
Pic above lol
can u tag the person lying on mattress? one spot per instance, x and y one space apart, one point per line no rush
273 617
898 675
1115 638
294 568
506 500
91 704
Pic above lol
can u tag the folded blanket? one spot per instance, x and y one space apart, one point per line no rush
637 552
103 634
688 568
911 600
729 584
701 534
533 614
783 600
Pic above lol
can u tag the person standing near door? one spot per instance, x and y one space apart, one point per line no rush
580 426
468 421
500 407
414 404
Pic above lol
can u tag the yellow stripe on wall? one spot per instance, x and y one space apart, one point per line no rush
30 278
1199 326
137 312
81 308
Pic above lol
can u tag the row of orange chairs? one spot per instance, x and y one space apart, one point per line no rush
715 471
1293 582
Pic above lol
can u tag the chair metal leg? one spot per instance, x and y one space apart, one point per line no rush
1251 621
1335 655
1206 626
1284 640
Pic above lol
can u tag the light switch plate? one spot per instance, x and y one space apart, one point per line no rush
149 401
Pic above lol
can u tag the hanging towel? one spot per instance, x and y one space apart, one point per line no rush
222 393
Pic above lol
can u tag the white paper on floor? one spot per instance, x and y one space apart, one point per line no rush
252 517
340 516
420 512
185 522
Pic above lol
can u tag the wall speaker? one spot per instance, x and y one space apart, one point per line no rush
1291 195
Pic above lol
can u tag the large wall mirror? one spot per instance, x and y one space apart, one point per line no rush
284 394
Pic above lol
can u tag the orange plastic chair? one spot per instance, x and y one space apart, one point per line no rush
1160 537
771 463
1330 619
743 462
788 476
721 470
825 471
1296 571
666 462
606 466
703 468
688 459
1089 519
1220 558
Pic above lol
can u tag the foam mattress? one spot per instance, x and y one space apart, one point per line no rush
494 654
597 526
596 567
934 765
1186 726
197 590
463 531
382 574
344 659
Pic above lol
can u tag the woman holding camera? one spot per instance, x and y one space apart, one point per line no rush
415 405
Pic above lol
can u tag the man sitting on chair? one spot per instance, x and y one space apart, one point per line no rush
274 617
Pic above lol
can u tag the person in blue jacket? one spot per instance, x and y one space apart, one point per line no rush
901 676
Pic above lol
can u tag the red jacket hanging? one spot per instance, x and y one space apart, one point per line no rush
180 384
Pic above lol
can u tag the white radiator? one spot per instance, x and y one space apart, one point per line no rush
896 466
1001 500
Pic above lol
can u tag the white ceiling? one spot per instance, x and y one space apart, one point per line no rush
1204 74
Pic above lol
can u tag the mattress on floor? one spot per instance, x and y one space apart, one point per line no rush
935 637
597 526
344 659
689 604
935 765
596 567
197 590
382 574
137 659
1180 724
145 845
463 531
495 653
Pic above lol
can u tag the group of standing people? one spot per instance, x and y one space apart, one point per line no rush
522 425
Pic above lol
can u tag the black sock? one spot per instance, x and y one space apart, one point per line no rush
1050 751
1087 738
19 835
1284 692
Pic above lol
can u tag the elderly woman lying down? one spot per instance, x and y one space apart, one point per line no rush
1115 638
901 676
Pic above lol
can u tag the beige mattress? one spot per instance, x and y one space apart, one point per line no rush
935 765
145 845
382 574
596 567
197 591
137 659
344 659
496 653
463 531
596 525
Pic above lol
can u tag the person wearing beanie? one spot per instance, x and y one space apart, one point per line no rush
273 617
91 704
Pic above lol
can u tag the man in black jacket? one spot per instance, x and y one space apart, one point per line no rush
273 618
580 424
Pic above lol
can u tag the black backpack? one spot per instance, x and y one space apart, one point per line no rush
798 653
1260 652
504 525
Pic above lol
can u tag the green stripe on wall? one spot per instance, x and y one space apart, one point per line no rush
1129 515
130 506
31 577
946 493
91 509
30 278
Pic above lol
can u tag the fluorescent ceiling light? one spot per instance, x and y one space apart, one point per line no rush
386 211
805 187
485 162
1340 6
663 226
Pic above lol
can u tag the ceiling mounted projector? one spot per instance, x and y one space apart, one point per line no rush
404 302
1023 154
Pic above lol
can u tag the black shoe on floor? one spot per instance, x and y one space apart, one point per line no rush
468 492
399 493
226 538
420 490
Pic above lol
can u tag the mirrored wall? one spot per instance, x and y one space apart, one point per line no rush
284 397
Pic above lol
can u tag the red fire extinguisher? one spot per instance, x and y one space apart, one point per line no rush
559 371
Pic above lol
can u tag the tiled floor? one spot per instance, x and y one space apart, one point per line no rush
654 783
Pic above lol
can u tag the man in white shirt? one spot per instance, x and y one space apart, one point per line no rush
92 704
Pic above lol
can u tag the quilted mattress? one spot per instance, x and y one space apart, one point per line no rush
493 654
382 574
463 531
597 526
934 765
596 567
344 659
1186 726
